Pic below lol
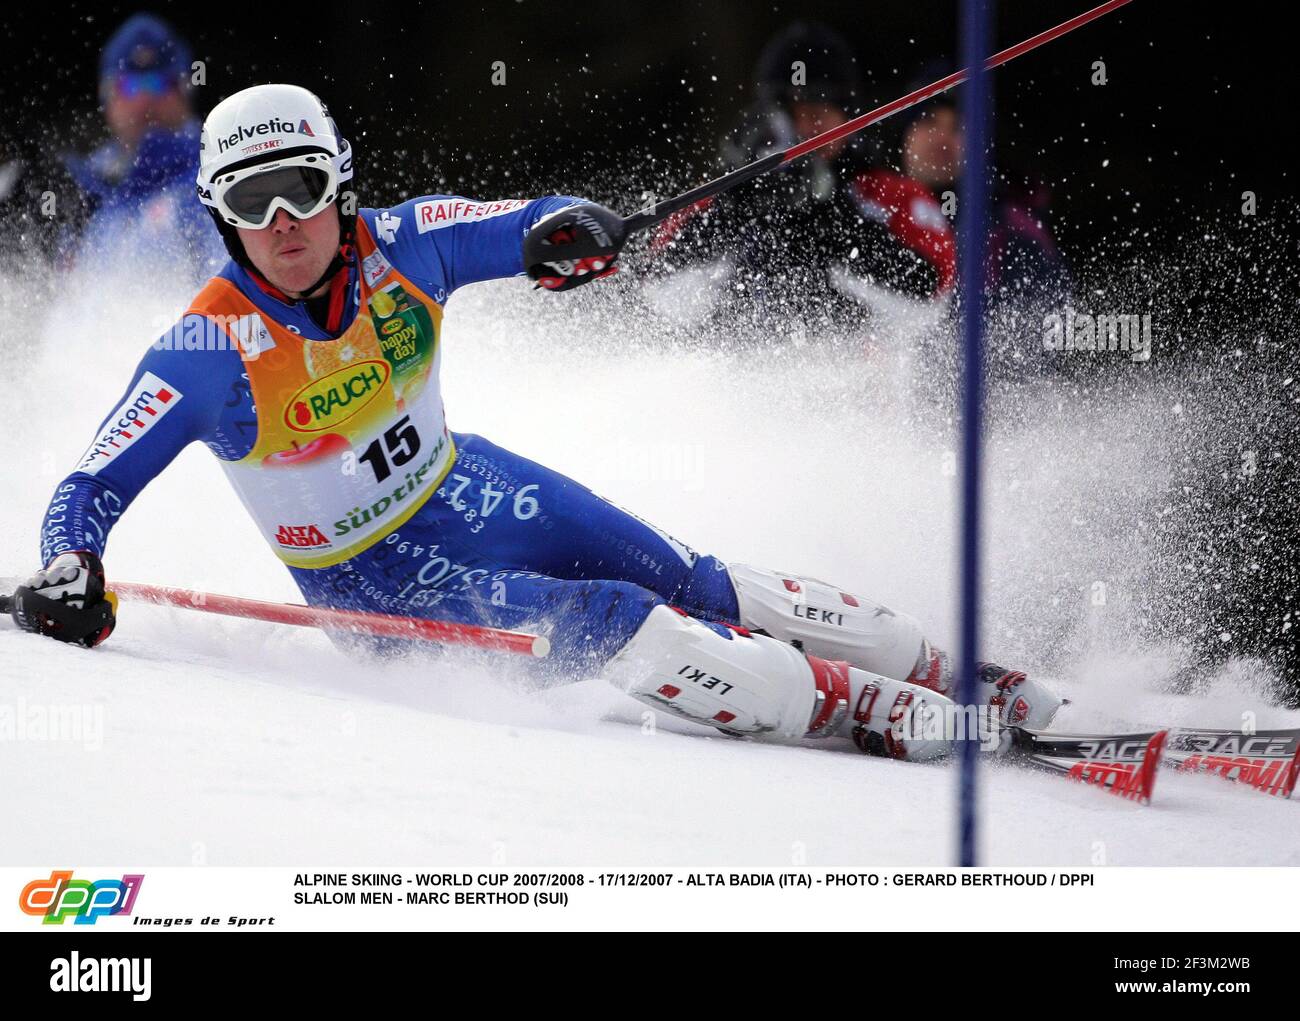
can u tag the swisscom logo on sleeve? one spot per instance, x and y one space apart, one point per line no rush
144 407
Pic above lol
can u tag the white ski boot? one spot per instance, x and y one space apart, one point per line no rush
823 620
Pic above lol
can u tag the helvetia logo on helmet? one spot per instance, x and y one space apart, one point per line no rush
272 126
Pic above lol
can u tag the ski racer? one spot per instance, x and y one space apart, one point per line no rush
310 367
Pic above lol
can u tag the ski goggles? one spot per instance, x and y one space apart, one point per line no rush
300 185
129 84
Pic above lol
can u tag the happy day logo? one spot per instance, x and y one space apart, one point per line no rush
61 896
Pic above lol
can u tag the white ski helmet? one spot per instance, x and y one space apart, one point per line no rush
270 147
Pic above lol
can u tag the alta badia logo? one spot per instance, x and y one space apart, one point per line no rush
85 901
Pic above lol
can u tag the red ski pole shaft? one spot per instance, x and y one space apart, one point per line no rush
355 621
662 210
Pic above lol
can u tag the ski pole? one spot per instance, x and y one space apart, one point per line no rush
354 621
660 211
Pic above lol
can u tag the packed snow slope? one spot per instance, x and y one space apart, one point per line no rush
211 740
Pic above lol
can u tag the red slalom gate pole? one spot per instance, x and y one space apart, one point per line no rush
662 210
355 621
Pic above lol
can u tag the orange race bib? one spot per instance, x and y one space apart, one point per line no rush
352 435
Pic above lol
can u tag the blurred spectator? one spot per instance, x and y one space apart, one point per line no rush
810 239
856 225
139 184
1025 265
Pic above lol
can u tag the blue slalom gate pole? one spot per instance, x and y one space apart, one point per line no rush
972 235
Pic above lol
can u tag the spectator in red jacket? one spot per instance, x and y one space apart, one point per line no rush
805 240
1025 264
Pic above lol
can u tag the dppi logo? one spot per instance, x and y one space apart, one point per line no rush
61 896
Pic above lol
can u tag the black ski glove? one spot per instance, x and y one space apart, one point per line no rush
573 246
67 601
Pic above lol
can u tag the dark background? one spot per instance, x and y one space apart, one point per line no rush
609 100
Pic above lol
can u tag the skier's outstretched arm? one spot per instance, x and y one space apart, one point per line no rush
560 241
173 398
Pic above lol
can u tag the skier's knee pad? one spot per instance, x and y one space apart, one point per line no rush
710 674
827 621
756 685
